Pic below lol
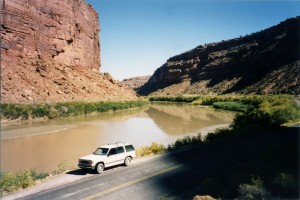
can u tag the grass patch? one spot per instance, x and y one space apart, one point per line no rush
64 166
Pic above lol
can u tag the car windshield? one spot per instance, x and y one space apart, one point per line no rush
101 151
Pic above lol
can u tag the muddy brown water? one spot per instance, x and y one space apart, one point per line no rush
44 145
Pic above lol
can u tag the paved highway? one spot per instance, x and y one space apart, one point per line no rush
177 175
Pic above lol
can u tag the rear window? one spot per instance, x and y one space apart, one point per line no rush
129 148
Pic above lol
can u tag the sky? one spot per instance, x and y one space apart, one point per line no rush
138 36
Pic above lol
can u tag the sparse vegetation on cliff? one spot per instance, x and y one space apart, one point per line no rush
247 65
57 110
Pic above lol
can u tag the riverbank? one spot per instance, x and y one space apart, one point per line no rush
273 110
40 112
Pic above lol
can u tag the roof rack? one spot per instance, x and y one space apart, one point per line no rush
116 143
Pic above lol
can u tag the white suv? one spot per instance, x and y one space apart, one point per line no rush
107 156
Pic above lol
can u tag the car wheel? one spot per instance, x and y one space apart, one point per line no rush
100 168
127 161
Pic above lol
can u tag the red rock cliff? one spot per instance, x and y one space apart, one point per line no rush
50 52
265 62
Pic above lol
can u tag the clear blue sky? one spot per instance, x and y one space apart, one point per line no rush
138 36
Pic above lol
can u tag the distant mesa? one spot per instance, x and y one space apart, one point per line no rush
266 62
135 83
50 52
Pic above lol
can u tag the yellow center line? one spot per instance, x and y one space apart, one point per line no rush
131 182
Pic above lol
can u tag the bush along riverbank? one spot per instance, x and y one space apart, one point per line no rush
280 104
11 182
22 179
58 110
274 174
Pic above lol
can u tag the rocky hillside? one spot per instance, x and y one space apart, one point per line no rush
265 62
135 83
50 52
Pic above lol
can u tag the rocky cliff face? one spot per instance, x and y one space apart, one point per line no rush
135 83
264 62
50 52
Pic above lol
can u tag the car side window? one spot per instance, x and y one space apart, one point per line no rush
113 151
129 148
120 149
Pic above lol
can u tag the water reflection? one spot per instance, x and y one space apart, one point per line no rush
179 119
43 145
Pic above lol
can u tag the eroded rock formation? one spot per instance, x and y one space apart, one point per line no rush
266 62
50 52
135 83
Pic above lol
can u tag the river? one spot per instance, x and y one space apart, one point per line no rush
43 145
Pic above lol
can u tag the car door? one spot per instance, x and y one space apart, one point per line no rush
120 155
111 157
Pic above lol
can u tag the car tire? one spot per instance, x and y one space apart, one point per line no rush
127 161
99 168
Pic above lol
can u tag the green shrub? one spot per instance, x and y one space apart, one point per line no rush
24 179
53 113
271 111
184 99
186 141
254 190
231 105
209 100
38 176
57 110
11 182
142 151
154 148
285 185
14 111
8 182
39 111
220 134
63 166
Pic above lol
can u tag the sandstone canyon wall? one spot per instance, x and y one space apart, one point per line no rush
266 62
50 52
135 83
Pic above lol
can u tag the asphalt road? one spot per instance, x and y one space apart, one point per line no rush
177 175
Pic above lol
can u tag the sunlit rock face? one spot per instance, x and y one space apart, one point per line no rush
266 62
50 51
